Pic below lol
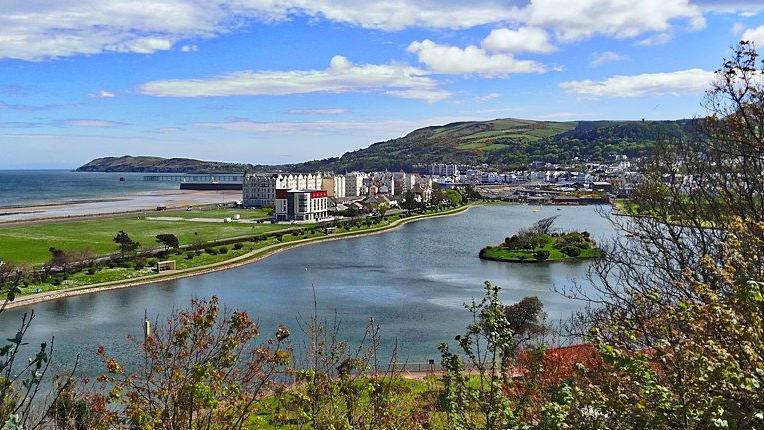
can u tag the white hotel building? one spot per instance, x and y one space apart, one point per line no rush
259 189
301 205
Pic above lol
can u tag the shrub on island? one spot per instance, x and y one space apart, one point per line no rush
537 243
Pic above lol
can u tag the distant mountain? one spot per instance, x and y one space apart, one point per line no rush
128 163
500 142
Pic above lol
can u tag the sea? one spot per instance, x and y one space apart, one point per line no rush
33 187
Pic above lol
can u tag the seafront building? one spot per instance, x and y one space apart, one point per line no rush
259 189
301 205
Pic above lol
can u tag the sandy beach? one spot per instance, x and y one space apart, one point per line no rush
146 200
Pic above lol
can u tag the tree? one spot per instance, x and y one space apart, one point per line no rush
168 240
409 201
22 379
498 345
126 244
382 208
201 369
677 315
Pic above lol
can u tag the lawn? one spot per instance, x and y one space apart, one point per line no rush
555 245
215 213
30 243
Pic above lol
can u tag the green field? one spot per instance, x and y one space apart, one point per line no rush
215 213
30 243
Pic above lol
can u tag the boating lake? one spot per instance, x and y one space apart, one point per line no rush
413 281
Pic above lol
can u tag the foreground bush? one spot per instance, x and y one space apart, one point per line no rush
201 369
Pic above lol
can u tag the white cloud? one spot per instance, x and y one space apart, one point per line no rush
392 127
755 35
656 39
38 30
524 39
430 95
189 48
600 58
103 94
325 111
577 19
342 76
247 126
742 7
668 83
98 123
487 97
470 60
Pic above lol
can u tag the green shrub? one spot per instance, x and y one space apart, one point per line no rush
223 250
92 270
152 262
237 246
541 255
211 251
198 252
571 251
190 255
139 263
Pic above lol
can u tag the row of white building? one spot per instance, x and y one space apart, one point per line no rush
259 189
305 196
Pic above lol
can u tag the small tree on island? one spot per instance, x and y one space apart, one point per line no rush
169 240
126 244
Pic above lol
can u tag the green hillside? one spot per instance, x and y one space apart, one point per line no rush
507 143
501 142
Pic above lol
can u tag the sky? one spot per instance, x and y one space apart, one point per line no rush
272 82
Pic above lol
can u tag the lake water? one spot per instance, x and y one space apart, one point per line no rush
413 281
24 187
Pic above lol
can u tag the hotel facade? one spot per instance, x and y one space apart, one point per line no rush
259 189
301 205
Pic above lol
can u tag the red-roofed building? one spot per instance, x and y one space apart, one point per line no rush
301 205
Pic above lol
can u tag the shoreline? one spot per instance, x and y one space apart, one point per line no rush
248 258
145 201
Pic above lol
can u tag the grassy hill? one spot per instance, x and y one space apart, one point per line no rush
129 163
506 143
500 142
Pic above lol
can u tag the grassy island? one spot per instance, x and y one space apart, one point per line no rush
538 243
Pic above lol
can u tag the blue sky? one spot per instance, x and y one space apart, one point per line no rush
283 81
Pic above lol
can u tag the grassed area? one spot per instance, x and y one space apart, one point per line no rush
216 213
543 247
30 243
407 396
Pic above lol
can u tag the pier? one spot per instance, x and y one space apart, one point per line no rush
196 178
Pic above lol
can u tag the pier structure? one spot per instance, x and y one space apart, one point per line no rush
195 178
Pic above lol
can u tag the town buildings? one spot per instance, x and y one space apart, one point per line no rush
334 185
354 184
